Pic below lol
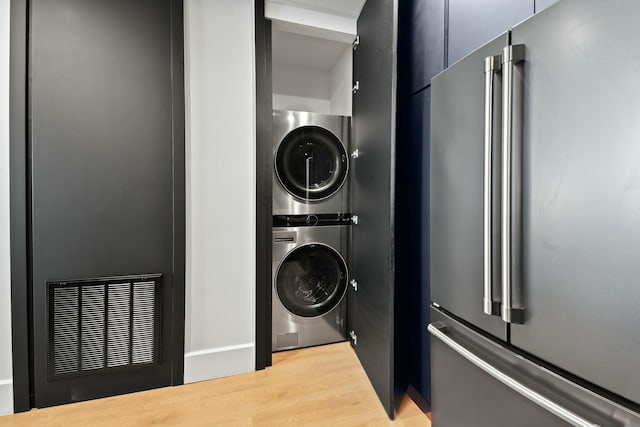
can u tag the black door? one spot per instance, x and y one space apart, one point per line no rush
371 306
106 142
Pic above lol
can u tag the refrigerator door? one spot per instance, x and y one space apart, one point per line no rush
477 382
456 202
581 191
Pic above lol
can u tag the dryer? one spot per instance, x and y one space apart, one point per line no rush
309 283
311 163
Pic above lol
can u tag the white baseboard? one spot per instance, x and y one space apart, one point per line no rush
6 397
219 362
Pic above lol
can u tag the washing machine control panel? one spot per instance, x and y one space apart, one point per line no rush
311 220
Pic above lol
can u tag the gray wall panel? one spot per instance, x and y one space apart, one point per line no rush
102 155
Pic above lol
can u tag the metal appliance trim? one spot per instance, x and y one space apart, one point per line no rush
491 65
511 55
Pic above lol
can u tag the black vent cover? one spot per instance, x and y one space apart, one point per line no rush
101 324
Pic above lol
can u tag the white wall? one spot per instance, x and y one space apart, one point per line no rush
220 106
300 103
303 20
324 90
6 383
341 84
301 81
301 88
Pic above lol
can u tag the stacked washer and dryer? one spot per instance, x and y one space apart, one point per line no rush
311 223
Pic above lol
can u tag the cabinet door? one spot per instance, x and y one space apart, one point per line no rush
473 23
427 41
374 111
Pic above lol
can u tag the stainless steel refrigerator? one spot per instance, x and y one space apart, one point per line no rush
535 224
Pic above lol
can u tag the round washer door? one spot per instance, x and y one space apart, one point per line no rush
311 163
311 280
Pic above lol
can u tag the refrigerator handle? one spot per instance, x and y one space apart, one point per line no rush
438 331
511 55
492 65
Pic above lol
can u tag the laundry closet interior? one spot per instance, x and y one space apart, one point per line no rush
329 155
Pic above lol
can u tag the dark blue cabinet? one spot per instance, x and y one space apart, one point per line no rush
420 129
412 244
427 41
473 23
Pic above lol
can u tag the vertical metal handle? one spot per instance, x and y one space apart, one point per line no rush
491 65
511 55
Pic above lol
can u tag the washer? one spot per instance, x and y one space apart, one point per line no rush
310 279
311 163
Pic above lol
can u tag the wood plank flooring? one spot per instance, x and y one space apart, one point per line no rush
320 386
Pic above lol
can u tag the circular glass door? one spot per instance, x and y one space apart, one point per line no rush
311 280
311 163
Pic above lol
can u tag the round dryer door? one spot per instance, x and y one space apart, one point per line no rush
311 163
311 280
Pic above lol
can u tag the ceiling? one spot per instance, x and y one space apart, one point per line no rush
349 8
306 51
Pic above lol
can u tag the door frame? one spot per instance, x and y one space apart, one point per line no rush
264 182
21 327
20 206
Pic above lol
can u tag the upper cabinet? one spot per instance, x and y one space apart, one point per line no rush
444 31
473 23
427 41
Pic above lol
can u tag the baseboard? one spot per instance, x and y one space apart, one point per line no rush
6 397
418 399
219 362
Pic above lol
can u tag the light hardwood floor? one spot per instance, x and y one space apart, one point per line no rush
321 386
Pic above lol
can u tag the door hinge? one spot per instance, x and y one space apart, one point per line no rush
354 219
354 284
356 42
354 337
356 87
355 154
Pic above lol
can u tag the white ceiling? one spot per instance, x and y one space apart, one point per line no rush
349 8
306 51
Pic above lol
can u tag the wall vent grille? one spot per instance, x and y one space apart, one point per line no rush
97 325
